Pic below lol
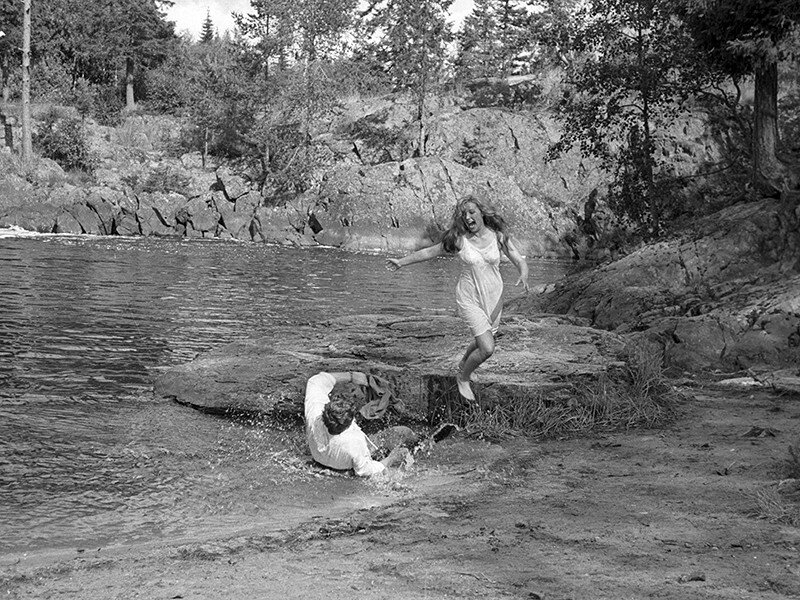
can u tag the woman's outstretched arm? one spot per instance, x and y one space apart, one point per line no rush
418 256
519 261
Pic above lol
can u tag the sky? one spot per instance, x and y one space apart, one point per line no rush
189 15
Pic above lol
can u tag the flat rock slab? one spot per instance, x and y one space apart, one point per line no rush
419 356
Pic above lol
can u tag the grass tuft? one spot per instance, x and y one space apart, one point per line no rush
773 507
638 397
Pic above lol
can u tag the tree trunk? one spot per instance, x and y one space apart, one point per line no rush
130 102
6 72
27 146
767 167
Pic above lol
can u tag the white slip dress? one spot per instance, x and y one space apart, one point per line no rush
479 292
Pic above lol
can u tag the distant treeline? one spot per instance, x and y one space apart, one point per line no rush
628 71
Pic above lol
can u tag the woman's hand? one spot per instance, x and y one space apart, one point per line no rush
525 285
393 264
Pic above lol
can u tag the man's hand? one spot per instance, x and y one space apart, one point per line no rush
359 378
396 456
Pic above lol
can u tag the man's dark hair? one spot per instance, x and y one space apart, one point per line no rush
338 414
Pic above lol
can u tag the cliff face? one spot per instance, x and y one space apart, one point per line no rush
376 191
496 155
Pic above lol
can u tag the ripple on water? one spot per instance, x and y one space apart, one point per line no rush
87 455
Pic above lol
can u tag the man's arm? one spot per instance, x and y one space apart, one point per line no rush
356 377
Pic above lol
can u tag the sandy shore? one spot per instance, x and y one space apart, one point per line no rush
668 513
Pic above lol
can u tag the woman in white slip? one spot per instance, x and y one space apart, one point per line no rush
478 235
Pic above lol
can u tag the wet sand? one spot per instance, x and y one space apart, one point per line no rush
667 513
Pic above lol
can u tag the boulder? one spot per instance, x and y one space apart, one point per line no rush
105 210
248 203
231 184
127 224
237 225
40 218
87 219
47 172
66 223
221 204
205 221
151 222
67 195
165 204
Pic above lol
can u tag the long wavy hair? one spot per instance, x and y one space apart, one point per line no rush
491 218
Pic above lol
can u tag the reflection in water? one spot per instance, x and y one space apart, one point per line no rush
87 455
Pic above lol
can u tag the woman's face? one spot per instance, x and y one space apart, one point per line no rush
473 217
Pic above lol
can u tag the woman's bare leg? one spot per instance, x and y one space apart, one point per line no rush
482 348
473 345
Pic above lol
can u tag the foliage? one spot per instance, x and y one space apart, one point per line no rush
498 92
772 507
50 82
207 34
410 39
473 151
220 104
282 138
98 41
282 32
164 178
375 134
743 38
735 36
633 80
495 40
63 138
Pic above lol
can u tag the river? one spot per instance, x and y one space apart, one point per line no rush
89 457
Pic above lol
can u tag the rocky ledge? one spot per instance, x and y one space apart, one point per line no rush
541 355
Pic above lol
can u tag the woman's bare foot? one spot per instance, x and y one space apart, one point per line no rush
464 389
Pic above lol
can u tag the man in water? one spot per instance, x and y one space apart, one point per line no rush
335 439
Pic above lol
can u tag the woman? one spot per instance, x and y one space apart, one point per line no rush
478 235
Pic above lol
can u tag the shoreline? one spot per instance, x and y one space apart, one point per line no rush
669 512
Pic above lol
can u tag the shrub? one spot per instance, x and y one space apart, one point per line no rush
63 139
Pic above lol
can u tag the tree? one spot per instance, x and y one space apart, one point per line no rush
748 37
27 149
140 36
512 51
207 33
287 32
632 80
413 36
10 42
477 41
95 40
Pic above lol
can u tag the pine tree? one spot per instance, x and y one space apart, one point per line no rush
477 42
413 36
207 34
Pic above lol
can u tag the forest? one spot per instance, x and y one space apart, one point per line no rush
619 76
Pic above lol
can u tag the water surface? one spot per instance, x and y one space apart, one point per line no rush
89 457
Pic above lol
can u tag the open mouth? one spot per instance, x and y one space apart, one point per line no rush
470 222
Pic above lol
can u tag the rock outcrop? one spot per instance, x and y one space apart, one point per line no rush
725 294
545 355
373 192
